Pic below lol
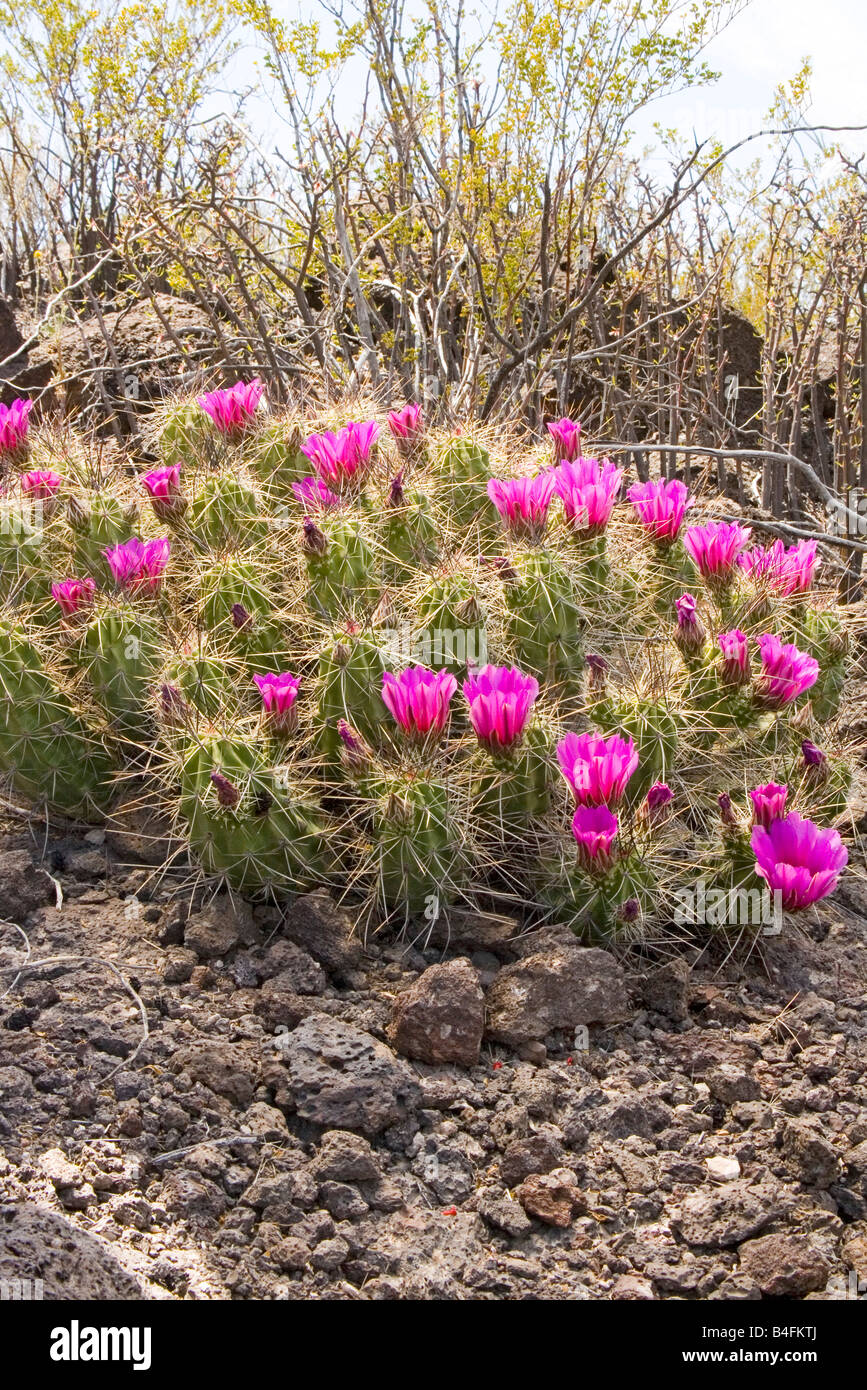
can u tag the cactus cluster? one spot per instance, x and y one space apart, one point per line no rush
372 656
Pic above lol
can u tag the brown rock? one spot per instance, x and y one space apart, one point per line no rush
555 989
441 1017
784 1266
551 1198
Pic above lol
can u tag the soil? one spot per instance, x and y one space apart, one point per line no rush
313 1116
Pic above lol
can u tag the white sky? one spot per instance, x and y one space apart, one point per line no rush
764 47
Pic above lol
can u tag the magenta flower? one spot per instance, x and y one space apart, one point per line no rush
523 503
344 456
659 796
315 495
279 693
73 595
661 508
813 756
785 571
769 803
690 635
798 860
500 699
588 489
233 409
419 699
714 549
138 566
14 424
735 666
786 672
595 830
566 435
41 485
227 793
405 425
163 486
597 769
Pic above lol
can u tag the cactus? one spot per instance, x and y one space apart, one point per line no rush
47 751
416 787
247 822
120 654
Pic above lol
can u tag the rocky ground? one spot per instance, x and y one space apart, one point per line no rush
489 1114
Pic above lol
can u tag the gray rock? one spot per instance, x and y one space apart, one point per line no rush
441 1017
193 1196
229 1069
666 990
726 1215
23 887
501 1211
555 989
342 1078
315 922
538 1153
810 1155
36 1243
344 1203
729 1083
345 1157
219 928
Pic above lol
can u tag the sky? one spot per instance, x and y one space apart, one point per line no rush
764 47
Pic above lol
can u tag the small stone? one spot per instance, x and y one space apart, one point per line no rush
550 1198
729 1083
345 1157
632 1289
315 922
723 1168
441 1017
538 1153
219 927
330 1254
58 1169
342 1078
726 1215
810 1155
561 988
666 990
192 1195
533 1052
179 966
342 1201
784 1266
23 887
501 1211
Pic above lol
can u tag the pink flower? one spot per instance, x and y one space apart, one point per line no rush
163 486
660 507
523 503
769 803
785 571
735 668
714 548
566 435
588 490
139 565
597 769
41 485
313 494
786 672
405 425
73 595
14 425
813 756
232 409
595 830
500 699
279 693
344 456
690 635
659 796
419 699
798 860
